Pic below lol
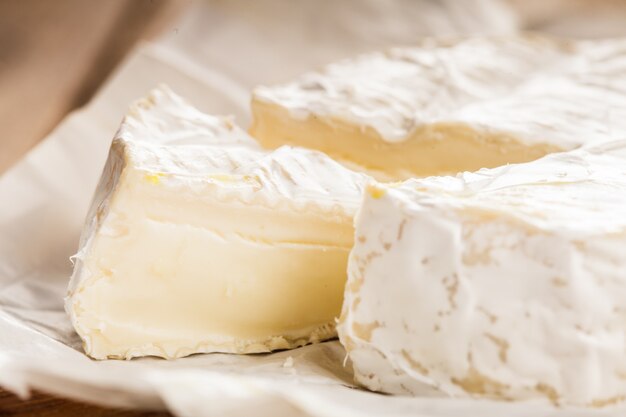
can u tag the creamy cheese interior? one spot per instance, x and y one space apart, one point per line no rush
437 149
198 241
169 270
171 273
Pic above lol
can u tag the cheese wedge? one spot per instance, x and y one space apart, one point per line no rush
444 107
197 241
507 283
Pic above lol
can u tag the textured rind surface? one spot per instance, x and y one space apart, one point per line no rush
163 117
506 283
535 89
172 144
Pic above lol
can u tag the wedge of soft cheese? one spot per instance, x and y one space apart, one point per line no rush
443 107
197 241
507 283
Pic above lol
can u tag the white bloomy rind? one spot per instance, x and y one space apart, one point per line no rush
199 241
535 89
507 283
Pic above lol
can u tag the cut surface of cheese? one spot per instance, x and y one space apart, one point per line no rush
198 241
507 283
443 107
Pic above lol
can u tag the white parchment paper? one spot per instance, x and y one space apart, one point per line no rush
213 56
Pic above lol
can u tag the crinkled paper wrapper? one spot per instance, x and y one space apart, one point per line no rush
213 57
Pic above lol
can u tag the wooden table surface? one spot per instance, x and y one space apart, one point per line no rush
53 56
42 405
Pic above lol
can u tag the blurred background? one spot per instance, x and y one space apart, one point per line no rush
56 55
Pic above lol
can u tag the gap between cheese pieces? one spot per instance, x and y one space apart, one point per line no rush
199 241
447 106
507 283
